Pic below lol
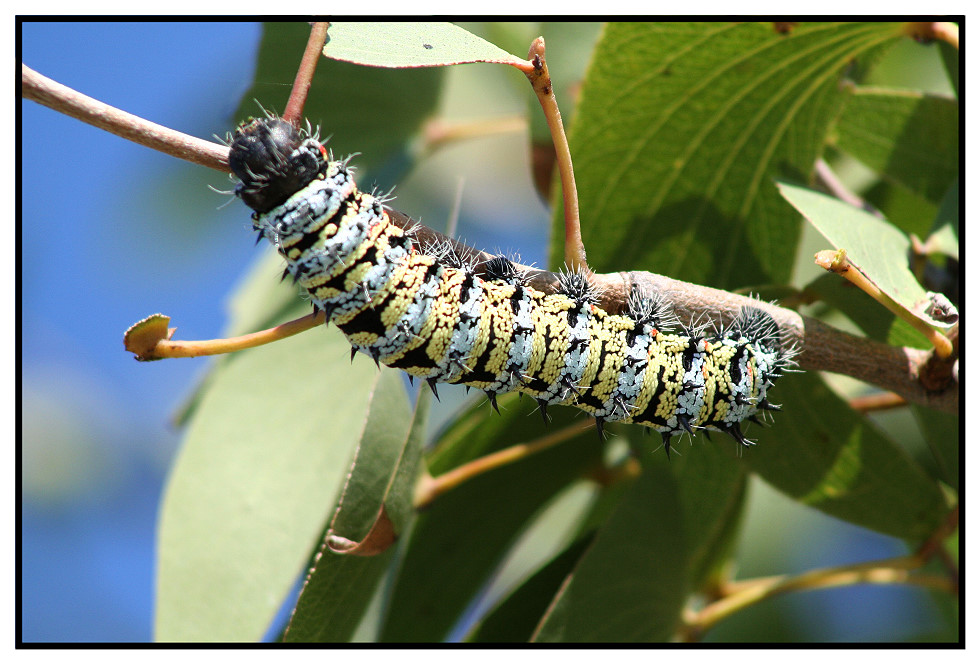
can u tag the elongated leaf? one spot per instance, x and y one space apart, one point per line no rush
910 137
944 236
878 249
686 528
378 489
458 540
515 619
821 453
681 130
251 491
415 44
628 586
941 431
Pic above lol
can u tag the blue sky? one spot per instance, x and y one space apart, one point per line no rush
103 246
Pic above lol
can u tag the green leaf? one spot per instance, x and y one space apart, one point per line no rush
821 453
907 210
944 237
875 247
688 528
627 587
682 128
909 137
941 432
950 59
515 618
248 498
712 488
415 44
379 489
464 534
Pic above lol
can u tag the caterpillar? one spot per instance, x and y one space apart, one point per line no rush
449 318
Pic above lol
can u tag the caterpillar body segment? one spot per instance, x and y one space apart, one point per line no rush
431 314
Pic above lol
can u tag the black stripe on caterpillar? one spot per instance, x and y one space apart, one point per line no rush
430 314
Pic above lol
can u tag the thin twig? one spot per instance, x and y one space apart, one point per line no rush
304 77
893 571
430 488
838 263
877 402
167 349
540 80
826 176
65 100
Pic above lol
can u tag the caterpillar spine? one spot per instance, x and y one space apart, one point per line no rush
431 315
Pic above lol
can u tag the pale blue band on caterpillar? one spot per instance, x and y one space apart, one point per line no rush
440 317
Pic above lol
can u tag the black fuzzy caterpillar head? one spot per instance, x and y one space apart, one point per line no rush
273 159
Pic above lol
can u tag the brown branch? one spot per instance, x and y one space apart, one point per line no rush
877 402
750 592
304 77
63 99
822 347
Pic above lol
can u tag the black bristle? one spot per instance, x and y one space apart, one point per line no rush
570 386
734 430
543 410
666 443
492 399
600 427
433 384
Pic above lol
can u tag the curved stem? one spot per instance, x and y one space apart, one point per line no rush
837 262
167 349
429 488
540 80
747 593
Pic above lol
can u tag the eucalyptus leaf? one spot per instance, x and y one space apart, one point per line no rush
682 129
378 488
413 44
249 495
878 249
909 137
